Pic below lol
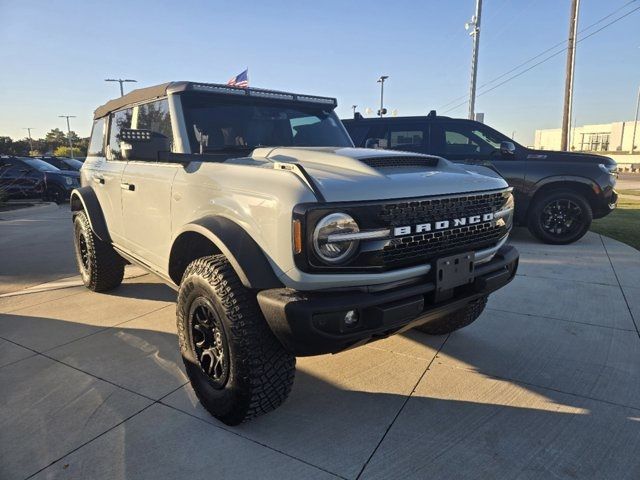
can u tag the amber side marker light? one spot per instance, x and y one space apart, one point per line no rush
297 236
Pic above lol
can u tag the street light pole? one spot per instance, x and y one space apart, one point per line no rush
120 81
474 26
568 84
28 129
635 124
354 110
381 82
68 132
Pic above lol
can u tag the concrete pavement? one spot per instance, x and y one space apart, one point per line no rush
546 384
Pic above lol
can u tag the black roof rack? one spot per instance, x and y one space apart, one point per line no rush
157 91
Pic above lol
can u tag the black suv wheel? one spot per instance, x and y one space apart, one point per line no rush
100 266
560 217
456 320
237 368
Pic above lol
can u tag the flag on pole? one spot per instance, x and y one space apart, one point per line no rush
241 80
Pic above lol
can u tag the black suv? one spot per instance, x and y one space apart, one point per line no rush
557 194
24 177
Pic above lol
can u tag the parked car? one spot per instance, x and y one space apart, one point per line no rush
63 163
281 238
25 177
557 194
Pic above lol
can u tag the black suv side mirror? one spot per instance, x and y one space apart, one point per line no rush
507 148
142 144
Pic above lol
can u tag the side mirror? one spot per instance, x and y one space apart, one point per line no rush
507 148
142 144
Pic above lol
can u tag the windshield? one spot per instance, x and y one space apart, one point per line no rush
73 163
40 165
215 124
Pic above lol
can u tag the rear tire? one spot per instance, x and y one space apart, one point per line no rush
456 320
560 217
100 266
237 368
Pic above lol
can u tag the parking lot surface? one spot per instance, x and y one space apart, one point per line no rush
546 384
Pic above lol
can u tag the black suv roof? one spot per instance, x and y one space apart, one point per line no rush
158 91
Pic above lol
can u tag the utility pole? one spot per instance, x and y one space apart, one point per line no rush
381 80
68 132
568 84
28 129
474 27
120 81
635 124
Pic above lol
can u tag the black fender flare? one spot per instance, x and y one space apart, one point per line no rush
245 255
85 198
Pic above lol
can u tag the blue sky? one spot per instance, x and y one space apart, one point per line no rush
54 55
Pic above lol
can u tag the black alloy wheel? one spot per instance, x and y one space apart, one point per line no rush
209 342
560 217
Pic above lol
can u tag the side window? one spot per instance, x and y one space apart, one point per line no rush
406 137
117 122
462 140
96 142
155 116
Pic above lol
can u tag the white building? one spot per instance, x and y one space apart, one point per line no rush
606 137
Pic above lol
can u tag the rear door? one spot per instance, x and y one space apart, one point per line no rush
146 193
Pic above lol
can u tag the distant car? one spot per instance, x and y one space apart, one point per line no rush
557 194
64 163
24 177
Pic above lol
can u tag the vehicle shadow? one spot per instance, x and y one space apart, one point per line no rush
465 424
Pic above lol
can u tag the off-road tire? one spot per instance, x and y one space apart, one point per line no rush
260 372
535 220
456 320
100 266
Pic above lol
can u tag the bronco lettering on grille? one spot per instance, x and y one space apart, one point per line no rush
442 225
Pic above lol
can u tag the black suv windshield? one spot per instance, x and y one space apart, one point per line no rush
40 165
215 124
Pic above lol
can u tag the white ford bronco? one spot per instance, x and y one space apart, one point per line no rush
281 239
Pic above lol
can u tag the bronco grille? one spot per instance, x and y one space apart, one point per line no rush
400 161
424 246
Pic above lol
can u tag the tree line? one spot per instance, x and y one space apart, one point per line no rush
55 142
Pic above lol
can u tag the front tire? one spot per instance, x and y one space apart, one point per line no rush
560 217
236 366
100 266
456 320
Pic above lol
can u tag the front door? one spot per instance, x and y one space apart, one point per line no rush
474 143
146 193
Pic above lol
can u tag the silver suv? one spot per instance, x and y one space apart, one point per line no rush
281 239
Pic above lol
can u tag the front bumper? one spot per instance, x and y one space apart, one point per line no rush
606 202
311 323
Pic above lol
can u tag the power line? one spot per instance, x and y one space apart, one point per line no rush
517 67
546 59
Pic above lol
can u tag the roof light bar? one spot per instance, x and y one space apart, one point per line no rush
309 98
268 94
218 88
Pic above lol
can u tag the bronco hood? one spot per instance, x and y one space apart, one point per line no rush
357 174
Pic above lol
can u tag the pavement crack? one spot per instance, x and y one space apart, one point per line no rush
624 296
404 404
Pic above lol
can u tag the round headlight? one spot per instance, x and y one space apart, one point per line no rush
326 238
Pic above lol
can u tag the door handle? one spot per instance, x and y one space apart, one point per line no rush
128 186
99 180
